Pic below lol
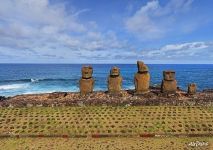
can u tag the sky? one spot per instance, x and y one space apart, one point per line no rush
106 31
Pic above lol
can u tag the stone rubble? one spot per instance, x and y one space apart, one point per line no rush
102 98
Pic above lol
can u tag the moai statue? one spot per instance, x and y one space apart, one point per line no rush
86 82
142 79
192 88
114 81
169 84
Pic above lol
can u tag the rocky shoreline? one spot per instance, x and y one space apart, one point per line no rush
102 98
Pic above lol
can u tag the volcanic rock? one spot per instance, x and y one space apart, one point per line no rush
169 84
86 83
169 75
57 95
87 72
114 81
142 79
2 98
192 88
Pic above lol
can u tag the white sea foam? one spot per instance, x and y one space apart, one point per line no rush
12 86
34 80
130 87
38 92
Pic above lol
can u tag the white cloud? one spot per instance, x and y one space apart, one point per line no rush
38 29
80 12
185 46
154 21
191 50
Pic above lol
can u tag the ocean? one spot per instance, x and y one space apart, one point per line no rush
18 79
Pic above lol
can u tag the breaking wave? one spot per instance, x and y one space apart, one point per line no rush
35 80
12 86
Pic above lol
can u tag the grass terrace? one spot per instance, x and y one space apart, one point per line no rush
93 121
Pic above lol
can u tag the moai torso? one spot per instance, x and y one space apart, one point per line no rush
86 83
114 81
192 88
114 84
169 84
142 79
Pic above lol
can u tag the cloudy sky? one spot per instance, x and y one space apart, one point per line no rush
106 31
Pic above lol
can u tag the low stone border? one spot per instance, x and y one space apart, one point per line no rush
105 136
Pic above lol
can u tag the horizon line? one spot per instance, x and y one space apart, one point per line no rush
108 63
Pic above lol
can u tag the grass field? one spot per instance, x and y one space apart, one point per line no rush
111 121
94 127
106 144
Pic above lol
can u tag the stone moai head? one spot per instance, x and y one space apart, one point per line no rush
115 71
192 88
86 72
169 75
142 68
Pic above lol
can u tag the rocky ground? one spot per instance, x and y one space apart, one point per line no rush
125 98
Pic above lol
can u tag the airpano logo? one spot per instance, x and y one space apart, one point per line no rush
198 144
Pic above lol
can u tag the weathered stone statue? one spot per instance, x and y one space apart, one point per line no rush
192 88
114 81
169 84
86 82
142 79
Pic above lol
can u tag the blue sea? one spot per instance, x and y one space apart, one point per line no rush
18 79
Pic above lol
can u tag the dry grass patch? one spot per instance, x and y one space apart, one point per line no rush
105 143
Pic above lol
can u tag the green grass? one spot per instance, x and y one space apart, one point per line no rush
119 121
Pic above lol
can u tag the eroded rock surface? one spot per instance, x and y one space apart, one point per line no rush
86 83
169 84
192 88
142 79
114 81
2 98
